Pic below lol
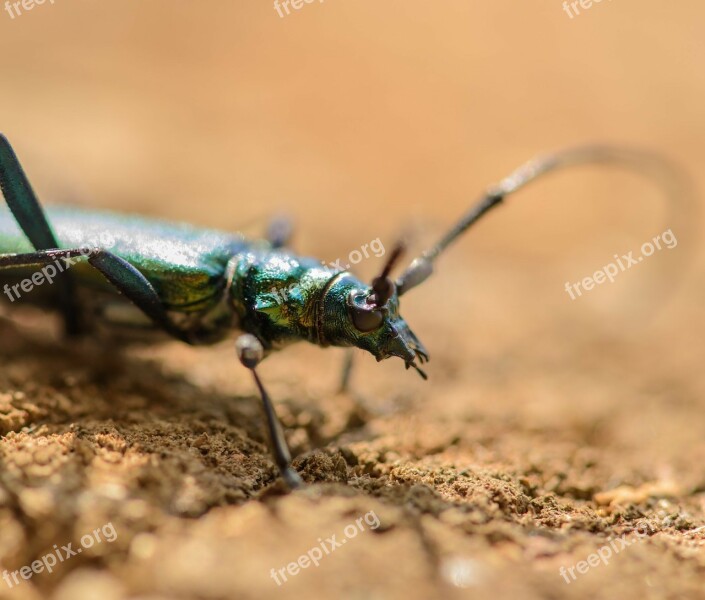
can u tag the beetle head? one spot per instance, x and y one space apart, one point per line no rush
354 314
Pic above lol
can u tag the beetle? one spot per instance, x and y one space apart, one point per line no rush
132 277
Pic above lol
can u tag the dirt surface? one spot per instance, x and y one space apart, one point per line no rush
558 449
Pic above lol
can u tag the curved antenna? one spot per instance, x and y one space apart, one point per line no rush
382 285
641 161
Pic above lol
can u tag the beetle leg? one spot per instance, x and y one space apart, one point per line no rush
122 275
250 352
30 216
280 231
346 372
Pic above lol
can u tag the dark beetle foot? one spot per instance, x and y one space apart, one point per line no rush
292 479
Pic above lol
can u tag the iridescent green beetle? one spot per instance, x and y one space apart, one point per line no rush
136 278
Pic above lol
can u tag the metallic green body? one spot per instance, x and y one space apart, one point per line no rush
183 263
211 283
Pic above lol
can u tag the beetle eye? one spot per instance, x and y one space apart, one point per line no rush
365 317
366 320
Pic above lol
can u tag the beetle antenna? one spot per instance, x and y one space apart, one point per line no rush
641 161
382 285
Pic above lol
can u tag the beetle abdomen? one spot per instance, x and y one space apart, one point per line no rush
185 264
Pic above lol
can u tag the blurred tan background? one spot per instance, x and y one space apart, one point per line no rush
365 118
360 118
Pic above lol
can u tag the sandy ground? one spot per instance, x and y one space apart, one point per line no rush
553 433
